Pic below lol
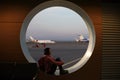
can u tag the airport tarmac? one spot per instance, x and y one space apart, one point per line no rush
69 52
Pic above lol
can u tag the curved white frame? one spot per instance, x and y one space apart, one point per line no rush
69 5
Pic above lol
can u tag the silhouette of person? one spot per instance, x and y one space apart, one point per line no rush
48 64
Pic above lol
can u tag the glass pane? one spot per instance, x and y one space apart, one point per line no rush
62 30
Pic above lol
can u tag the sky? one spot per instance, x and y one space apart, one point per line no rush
57 23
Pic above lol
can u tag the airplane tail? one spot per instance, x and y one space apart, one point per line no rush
81 37
31 38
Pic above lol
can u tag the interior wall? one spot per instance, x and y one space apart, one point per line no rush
12 15
111 41
11 18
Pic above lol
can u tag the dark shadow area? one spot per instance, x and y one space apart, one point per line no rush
111 1
17 71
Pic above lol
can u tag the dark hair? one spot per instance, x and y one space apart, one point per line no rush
47 51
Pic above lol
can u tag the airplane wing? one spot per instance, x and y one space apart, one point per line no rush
40 41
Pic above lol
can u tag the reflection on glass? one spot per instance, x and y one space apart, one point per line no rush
62 30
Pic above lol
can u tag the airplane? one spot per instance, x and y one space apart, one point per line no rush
37 43
81 39
40 41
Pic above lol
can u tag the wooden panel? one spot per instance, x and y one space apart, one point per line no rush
10 42
11 18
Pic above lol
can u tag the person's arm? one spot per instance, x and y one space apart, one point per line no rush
55 62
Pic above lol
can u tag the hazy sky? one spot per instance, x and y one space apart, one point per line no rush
57 23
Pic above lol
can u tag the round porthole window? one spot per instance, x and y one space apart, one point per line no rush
63 27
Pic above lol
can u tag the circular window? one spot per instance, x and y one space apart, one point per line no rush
62 26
